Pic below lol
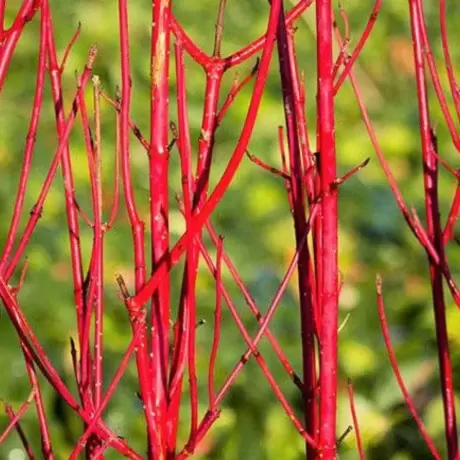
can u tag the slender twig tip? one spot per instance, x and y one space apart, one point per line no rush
378 283
174 130
122 285
348 430
92 55
31 396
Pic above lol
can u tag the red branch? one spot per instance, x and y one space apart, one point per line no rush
351 399
397 373
328 290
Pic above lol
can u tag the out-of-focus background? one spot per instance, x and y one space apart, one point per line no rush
255 220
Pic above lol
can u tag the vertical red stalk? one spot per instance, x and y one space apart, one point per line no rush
217 325
329 234
434 231
187 307
116 178
85 351
435 78
205 150
181 327
455 90
300 225
142 355
299 104
45 438
448 231
98 253
37 209
351 400
30 140
66 165
2 20
158 160
26 12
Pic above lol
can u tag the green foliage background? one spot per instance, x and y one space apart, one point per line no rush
255 220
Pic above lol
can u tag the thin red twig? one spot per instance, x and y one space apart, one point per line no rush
69 46
14 420
22 436
360 45
397 373
217 325
434 233
351 399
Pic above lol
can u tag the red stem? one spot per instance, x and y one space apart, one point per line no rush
85 351
14 420
138 327
181 327
66 165
116 178
45 438
69 46
410 217
252 351
98 252
359 47
30 143
217 324
328 294
137 226
251 303
38 207
298 94
267 167
434 232
435 77
2 20
13 34
397 373
447 58
351 399
234 91
21 433
158 164
201 182
454 212
249 50
307 319
134 128
268 316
